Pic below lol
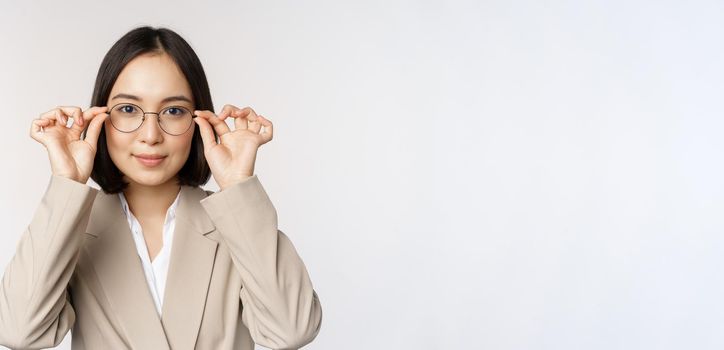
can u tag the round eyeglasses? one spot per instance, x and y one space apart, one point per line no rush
128 117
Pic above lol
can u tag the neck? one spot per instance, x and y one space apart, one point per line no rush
151 201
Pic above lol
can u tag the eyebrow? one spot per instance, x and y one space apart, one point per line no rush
167 99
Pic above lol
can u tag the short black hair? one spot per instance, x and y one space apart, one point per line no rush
139 41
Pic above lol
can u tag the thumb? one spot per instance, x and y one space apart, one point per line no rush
207 133
94 129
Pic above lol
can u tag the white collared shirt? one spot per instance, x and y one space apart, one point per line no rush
157 270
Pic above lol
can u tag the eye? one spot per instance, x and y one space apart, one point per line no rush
127 109
176 112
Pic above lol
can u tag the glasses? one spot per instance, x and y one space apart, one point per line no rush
127 117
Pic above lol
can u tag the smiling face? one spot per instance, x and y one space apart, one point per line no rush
148 81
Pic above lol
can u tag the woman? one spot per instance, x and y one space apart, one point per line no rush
154 261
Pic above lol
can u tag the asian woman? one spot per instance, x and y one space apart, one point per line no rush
152 260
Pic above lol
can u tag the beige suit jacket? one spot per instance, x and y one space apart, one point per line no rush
234 279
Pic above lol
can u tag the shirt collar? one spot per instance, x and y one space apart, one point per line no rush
170 212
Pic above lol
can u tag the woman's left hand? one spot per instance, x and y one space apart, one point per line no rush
232 159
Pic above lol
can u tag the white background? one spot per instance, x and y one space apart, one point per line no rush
477 175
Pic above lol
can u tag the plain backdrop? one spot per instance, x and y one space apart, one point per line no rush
456 175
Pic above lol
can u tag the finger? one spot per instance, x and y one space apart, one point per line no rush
88 115
268 132
207 133
44 122
52 114
71 112
36 129
219 125
55 115
255 124
94 129
60 118
226 111
241 117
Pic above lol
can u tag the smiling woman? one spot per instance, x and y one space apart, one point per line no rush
150 71
133 136
153 261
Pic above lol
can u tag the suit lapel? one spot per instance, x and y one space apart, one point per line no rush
120 272
189 271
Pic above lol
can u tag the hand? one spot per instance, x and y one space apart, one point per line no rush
232 159
69 156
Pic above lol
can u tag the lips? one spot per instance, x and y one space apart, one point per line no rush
149 160
149 156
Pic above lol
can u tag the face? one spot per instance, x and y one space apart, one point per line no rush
146 81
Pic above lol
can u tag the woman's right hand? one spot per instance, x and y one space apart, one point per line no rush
70 156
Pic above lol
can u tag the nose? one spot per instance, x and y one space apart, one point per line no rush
150 131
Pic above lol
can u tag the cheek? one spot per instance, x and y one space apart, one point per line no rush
186 140
180 147
117 142
119 150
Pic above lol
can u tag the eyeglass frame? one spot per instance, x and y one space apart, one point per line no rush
143 118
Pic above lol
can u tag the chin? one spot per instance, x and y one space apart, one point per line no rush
149 179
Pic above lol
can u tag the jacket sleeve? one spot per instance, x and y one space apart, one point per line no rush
35 307
280 307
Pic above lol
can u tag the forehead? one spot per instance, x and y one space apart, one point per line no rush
151 77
